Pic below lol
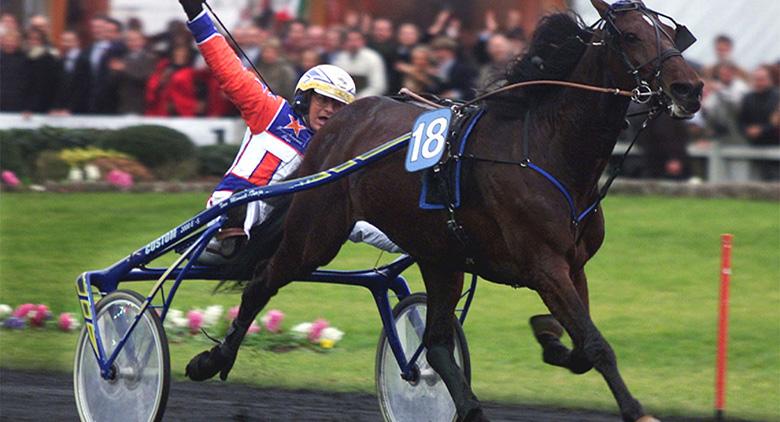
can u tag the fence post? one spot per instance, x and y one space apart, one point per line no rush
723 327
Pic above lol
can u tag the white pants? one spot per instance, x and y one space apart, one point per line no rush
362 231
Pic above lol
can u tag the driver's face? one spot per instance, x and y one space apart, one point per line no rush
321 108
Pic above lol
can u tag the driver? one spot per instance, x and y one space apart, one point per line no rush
277 134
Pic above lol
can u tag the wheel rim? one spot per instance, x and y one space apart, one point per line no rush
425 399
135 393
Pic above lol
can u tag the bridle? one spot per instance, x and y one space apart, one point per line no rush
614 39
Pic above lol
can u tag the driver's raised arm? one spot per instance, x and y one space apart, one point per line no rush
255 101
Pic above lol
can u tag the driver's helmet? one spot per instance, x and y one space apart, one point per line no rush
325 79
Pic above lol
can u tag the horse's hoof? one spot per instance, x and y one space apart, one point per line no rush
475 415
647 418
546 324
207 364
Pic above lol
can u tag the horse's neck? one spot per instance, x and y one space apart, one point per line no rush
586 125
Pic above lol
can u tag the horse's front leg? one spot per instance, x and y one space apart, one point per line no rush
220 358
443 289
548 332
556 288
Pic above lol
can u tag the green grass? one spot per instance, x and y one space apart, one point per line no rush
654 295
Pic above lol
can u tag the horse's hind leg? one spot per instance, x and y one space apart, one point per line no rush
548 332
443 289
557 291
312 242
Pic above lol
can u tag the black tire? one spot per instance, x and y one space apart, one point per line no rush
140 390
428 398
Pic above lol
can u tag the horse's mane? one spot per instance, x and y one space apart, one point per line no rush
556 47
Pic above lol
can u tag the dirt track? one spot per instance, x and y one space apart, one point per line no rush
29 396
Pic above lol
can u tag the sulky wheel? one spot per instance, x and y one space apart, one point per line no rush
426 398
138 389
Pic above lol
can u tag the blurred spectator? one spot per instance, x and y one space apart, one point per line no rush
490 29
309 58
408 38
664 143
438 26
518 43
70 94
43 72
176 34
133 70
100 81
315 39
352 20
757 109
251 40
8 23
135 24
456 75
295 41
40 23
721 103
172 90
334 40
514 24
13 72
383 43
217 103
724 49
420 75
492 73
277 72
364 65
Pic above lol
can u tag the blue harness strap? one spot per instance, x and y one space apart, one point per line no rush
576 217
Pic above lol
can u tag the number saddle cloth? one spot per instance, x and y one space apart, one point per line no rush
441 183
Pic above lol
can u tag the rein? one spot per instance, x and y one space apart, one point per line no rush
637 94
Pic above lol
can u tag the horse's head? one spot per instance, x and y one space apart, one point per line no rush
648 45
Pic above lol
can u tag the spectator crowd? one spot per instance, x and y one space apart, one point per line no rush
123 70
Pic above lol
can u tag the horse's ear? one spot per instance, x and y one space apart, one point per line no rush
602 7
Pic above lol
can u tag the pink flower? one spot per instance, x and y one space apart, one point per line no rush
232 313
119 178
21 311
273 320
10 179
316 330
67 322
195 321
39 314
254 328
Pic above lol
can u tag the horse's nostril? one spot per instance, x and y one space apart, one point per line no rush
682 89
686 90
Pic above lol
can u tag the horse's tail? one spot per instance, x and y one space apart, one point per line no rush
263 241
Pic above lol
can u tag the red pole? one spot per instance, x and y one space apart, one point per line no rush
723 326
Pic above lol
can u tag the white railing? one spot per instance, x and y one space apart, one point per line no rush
724 163
202 130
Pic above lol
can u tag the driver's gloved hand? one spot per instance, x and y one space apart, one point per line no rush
192 7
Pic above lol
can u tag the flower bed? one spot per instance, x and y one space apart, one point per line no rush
268 333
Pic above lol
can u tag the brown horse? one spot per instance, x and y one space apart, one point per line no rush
518 224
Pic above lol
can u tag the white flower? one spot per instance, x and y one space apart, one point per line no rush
302 329
5 311
175 319
212 314
332 333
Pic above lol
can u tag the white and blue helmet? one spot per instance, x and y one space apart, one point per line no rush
328 80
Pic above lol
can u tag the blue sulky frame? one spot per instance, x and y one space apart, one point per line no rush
190 238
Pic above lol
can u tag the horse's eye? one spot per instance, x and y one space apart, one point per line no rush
630 37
